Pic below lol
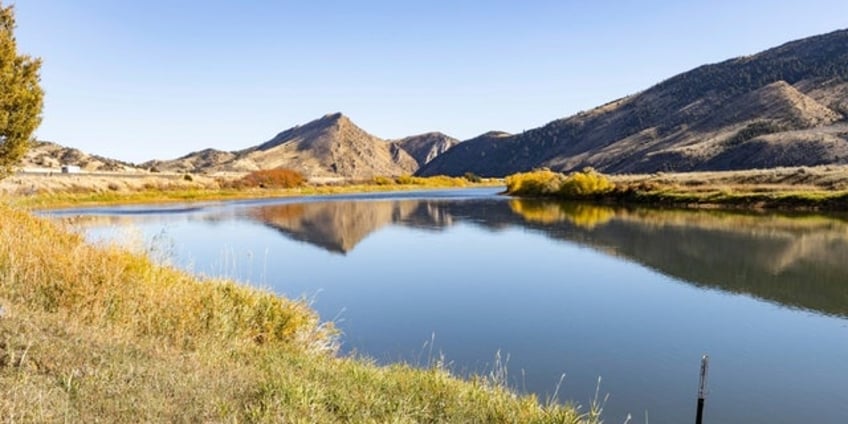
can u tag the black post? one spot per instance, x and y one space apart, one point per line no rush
702 389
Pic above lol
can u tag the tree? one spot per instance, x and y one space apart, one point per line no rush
21 97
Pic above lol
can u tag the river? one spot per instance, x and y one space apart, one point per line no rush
629 297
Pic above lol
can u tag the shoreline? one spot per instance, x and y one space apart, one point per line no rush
199 193
812 201
822 189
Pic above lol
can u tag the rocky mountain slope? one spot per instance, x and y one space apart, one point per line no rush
44 155
782 107
331 146
425 147
193 162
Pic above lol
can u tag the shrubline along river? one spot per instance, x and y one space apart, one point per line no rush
631 296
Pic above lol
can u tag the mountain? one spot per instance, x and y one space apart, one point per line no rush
331 146
45 155
786 106
425 147
192 162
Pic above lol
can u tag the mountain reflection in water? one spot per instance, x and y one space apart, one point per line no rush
797 261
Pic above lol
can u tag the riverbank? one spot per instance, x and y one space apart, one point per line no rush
102 334
802 188
56 191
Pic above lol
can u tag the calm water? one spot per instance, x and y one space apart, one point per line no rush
632 296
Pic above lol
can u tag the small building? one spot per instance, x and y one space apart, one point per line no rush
71 169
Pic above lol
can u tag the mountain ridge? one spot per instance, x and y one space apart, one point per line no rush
668 127
785 106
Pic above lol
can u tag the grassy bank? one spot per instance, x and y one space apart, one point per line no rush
212 192
824 188
101 334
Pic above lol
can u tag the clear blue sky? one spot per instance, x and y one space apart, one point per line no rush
137 80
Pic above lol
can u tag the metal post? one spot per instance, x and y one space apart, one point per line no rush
702 389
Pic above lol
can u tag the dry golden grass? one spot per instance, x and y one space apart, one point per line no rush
830 177
99 334
818 188
175 190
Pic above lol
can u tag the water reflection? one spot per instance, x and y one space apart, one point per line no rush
335 226
579 214
798 261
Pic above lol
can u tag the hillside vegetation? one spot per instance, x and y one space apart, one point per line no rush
100 334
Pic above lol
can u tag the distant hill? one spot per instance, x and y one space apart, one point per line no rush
192 162
46 155
783 107
332 146
425 147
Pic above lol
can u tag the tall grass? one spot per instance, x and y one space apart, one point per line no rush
434 181
49 269
99 334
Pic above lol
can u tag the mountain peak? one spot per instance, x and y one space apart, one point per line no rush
337 119
333 117
329 146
